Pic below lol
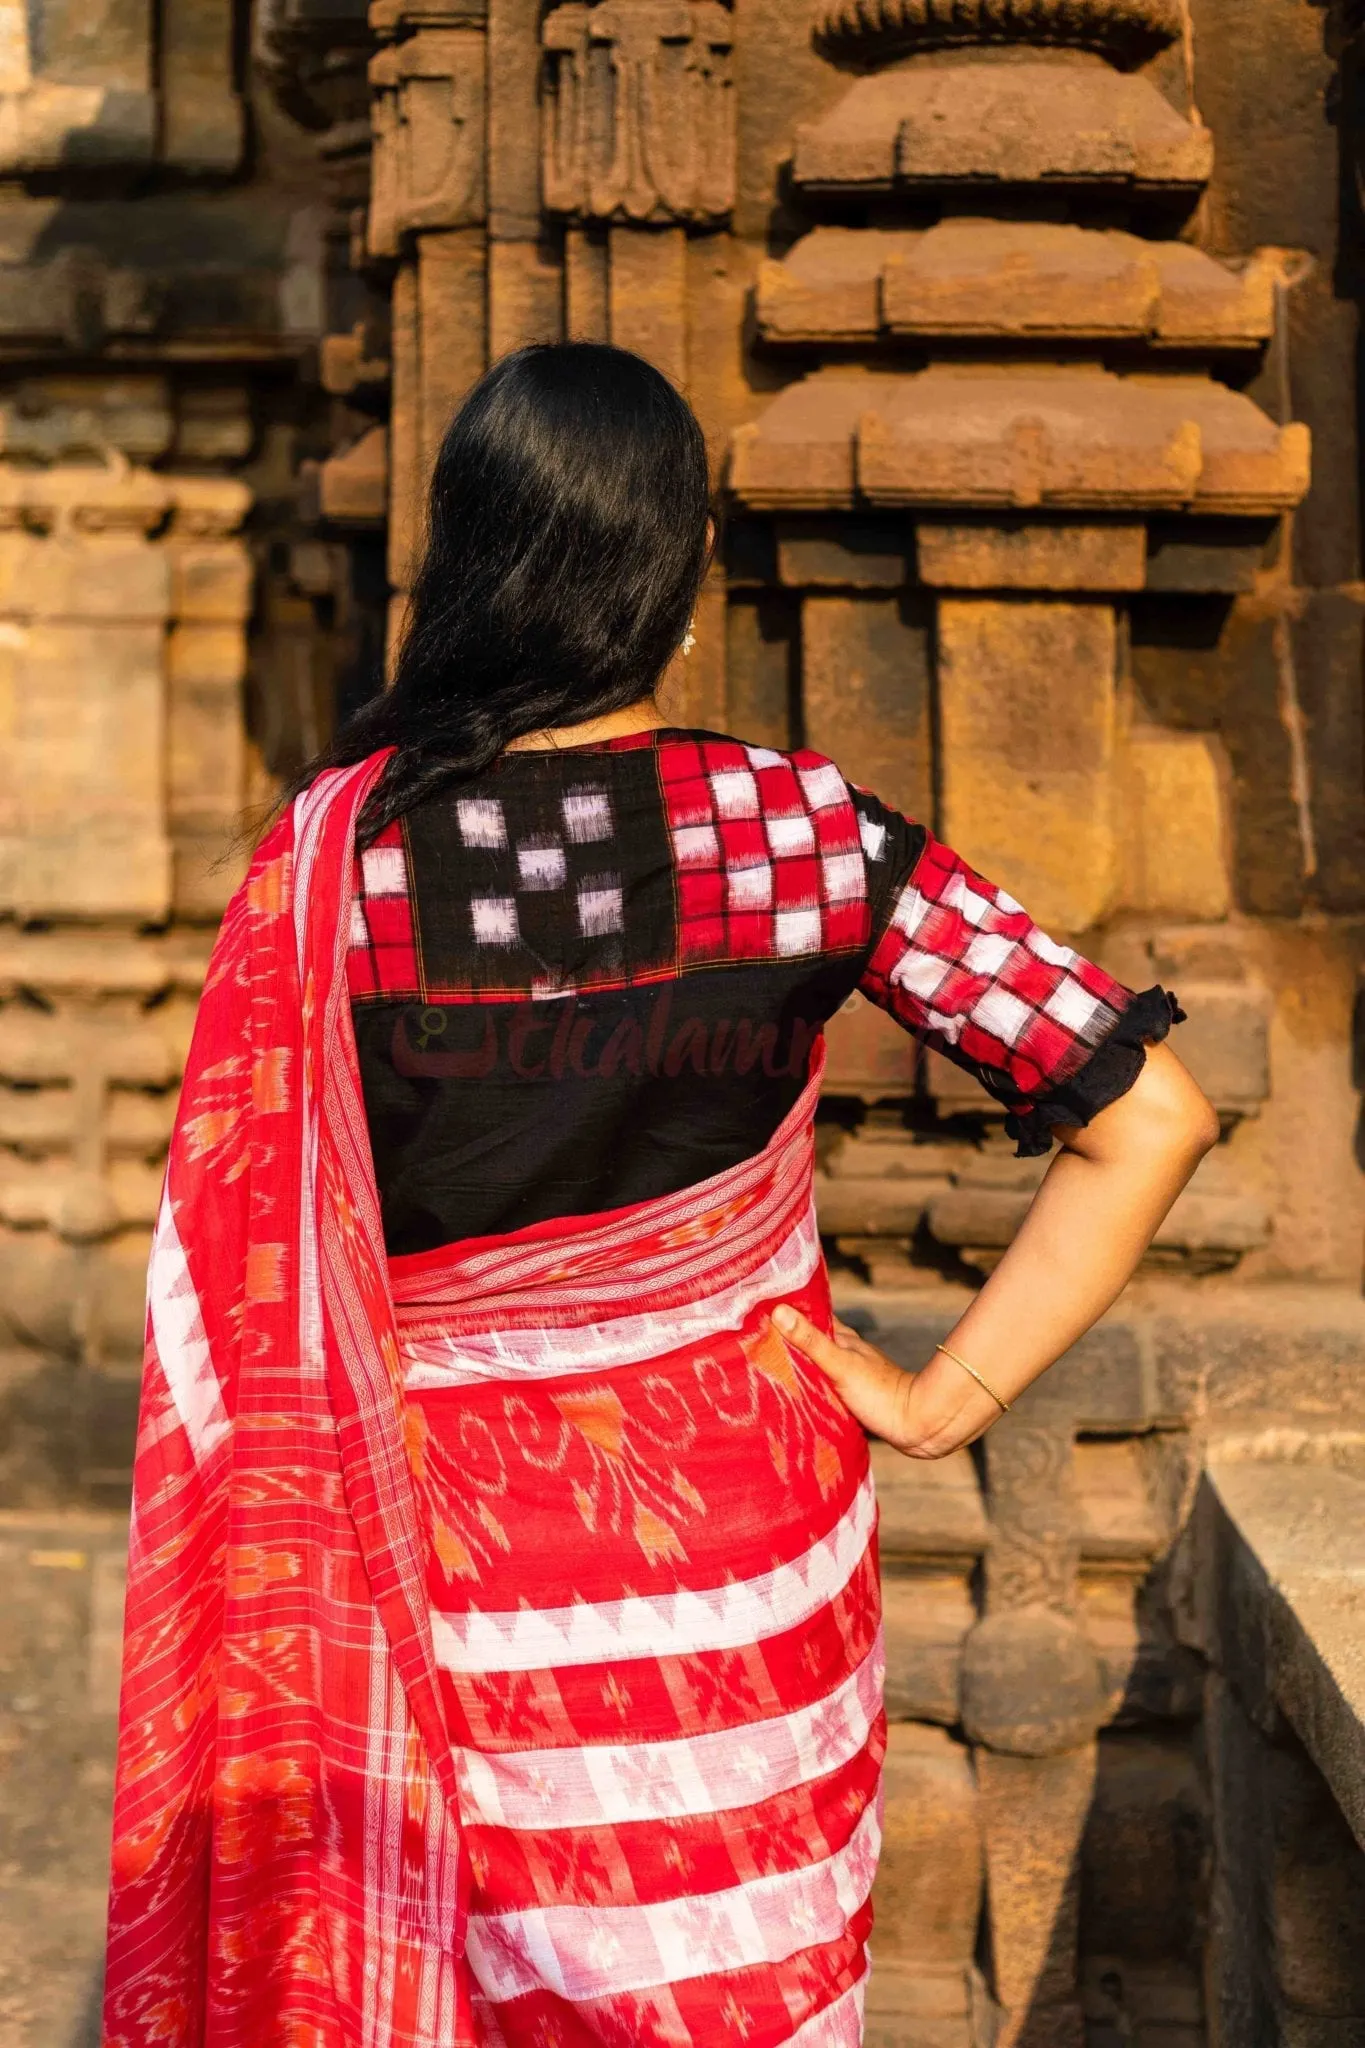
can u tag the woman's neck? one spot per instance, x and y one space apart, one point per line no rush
642 717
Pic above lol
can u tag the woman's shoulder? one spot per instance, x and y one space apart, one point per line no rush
781 776
698 750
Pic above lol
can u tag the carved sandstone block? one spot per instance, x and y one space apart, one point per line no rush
1117 1513
136 1050
873 1207
50 126
85 831
389 18
65 577
829 288
762 636
1031 556
866 692
1028 733
992 124
928 1892
353 487
525 297
639 111
211 582
927 1617
429 122
1214 1222
586 311
1015 280
1226 1041
1018 279
647 296
1173 856
931 1510
407 476
1035 1526
1084 439
452 287
205 762
844 554
1031 1682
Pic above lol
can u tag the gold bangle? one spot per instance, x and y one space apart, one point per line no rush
1004 1406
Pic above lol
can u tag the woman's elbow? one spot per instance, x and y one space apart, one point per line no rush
1205 1127
1164 1111
1189 1118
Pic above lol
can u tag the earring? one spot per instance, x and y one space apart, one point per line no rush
690 638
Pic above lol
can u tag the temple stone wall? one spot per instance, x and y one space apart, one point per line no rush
1025 334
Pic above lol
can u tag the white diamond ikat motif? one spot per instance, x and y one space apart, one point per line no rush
541 867
481 821
495 920
600 909
587 815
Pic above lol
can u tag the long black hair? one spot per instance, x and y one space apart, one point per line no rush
569 535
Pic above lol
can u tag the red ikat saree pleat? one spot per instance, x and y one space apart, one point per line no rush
548 1532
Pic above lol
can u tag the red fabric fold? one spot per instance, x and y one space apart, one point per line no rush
285 1864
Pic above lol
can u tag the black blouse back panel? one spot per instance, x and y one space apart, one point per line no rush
595 975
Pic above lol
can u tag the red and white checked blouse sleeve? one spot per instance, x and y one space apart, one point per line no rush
957 961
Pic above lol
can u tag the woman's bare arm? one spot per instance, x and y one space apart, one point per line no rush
1099 1207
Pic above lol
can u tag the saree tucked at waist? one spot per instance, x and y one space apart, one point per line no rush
503 1654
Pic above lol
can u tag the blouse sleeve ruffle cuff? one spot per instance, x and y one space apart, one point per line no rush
1109 1072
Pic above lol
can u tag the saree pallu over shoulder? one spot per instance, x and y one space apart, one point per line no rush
315 1845
286 1867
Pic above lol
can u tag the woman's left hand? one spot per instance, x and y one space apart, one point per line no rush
927 1414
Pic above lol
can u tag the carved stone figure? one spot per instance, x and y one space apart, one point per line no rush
639 112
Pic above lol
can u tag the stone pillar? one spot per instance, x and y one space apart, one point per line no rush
407 479
1032 1700
638 157
526 287
998 441
87 604
429 209
638 141
206 659
647 295
123 607
929 1889
124 596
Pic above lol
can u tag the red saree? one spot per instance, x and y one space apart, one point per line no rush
503 1661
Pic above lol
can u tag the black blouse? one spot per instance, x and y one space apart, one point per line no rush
595 975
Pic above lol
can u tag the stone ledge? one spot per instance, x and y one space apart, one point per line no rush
1003 124
1011 280
1290 1539
223 277
84 964
1079 439
1171 1354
